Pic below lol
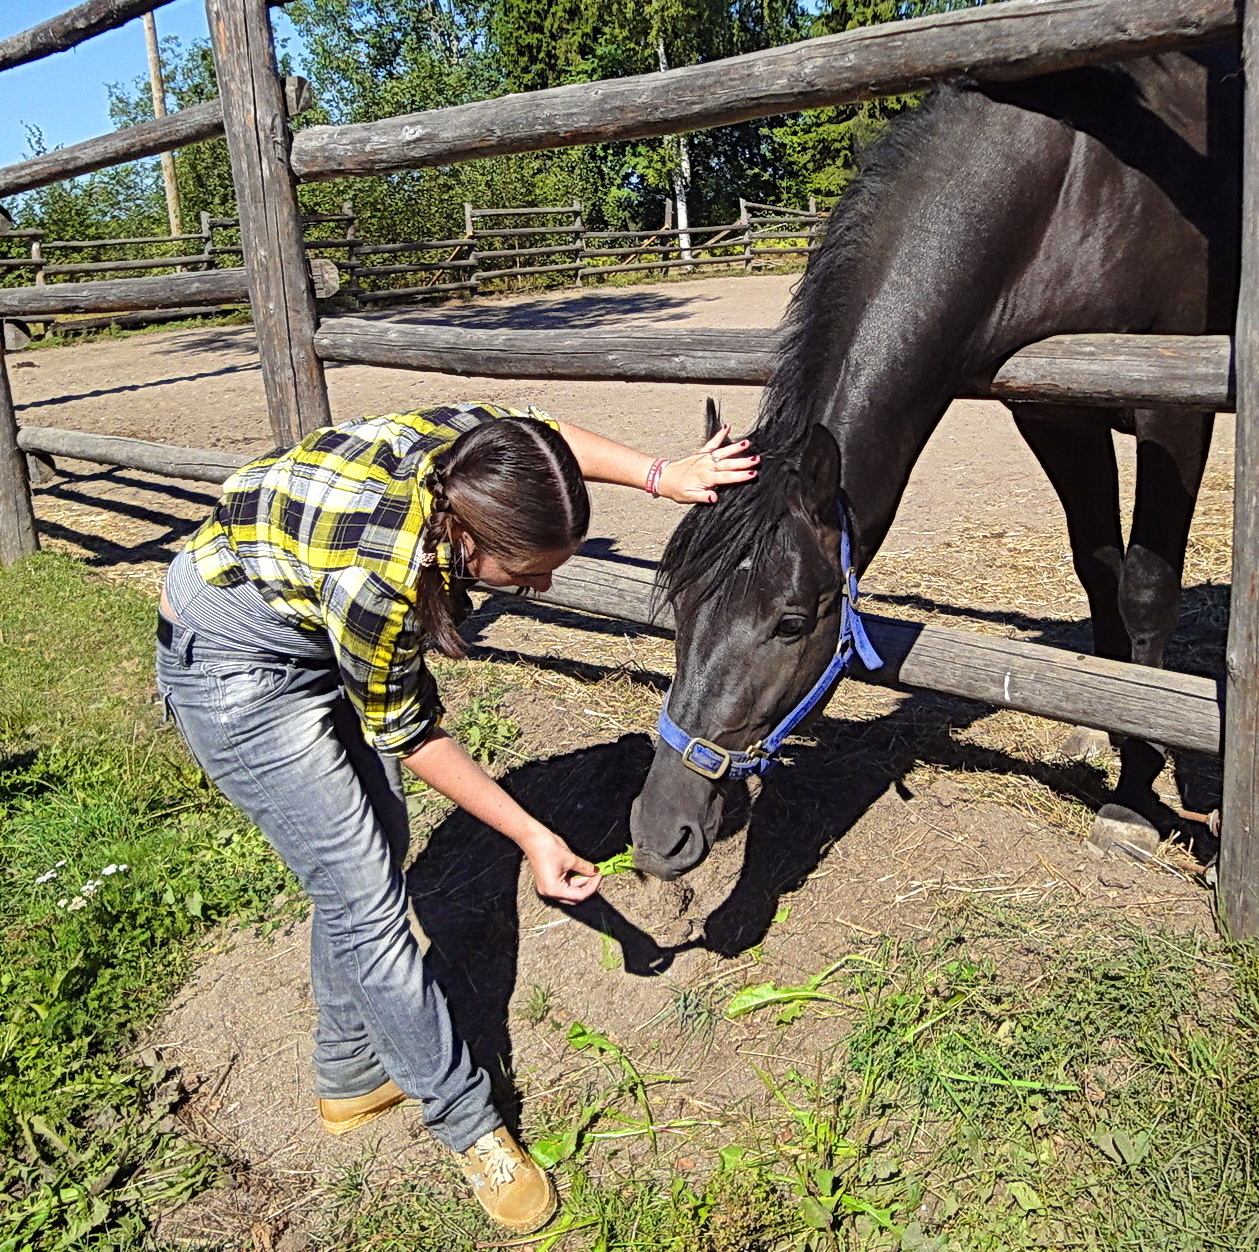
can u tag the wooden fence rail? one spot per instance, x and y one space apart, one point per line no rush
1015 39
164 134
1189 371
1182 710
468 265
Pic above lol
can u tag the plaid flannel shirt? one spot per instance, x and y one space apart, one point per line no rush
329 533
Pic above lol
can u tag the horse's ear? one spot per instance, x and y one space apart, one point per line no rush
819 473
712 418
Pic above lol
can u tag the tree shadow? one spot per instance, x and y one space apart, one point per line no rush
608 307
130 388
76 488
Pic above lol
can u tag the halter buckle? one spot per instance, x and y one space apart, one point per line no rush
709 760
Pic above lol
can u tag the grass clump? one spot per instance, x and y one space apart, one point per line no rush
1024 1081
117 854
1012 1087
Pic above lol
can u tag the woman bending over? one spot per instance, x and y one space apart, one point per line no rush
291 655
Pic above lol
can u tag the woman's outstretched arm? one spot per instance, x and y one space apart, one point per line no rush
689 480
558 872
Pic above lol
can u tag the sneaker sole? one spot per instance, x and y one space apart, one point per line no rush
346 1125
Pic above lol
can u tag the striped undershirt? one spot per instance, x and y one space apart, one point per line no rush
237 616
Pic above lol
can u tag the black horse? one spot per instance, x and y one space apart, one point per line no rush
1094 200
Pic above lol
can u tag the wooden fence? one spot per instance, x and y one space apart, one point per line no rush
1009 40
499 246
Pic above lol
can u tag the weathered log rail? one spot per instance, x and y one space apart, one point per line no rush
133 143
1105 370
195 464
66 30
1181 710
164 291
1015 39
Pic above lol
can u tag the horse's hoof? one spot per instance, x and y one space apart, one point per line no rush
1119 831
1085 744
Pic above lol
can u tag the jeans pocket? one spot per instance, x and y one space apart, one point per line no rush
241 685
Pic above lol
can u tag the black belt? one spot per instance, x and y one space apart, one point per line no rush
165 632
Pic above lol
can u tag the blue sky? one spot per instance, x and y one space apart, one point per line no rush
64 94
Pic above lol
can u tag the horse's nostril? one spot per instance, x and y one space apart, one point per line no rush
685 835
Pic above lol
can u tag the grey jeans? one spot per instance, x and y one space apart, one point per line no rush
283 744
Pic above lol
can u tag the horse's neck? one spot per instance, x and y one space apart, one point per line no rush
1018 227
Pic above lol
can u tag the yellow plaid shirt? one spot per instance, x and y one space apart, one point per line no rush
329 533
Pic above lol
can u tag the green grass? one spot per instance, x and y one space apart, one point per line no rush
1023 1078
117 855
1027 1080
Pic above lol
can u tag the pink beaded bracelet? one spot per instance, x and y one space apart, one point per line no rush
654 474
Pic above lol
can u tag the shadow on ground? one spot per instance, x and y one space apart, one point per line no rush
465 883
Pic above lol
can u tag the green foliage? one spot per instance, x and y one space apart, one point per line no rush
119 202
369 59
483 727
117 854
820 149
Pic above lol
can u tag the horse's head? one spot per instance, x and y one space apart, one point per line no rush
756 590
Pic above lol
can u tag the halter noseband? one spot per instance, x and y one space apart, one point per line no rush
715 762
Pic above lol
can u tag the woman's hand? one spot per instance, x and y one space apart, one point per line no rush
558 872
691 480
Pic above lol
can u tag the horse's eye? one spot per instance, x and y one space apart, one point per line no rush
791 627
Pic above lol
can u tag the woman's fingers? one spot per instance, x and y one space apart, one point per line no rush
720 437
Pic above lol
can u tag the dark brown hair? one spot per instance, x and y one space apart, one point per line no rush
514 487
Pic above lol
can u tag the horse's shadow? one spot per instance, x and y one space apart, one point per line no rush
466 880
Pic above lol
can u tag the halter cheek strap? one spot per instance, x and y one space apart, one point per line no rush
715 762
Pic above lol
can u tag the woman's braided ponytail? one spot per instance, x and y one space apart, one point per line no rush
513 487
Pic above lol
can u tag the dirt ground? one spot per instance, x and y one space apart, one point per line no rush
904 805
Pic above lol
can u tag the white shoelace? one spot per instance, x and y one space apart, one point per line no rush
497 1162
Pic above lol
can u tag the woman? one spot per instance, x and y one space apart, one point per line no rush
290 653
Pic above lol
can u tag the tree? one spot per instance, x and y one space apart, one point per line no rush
820 149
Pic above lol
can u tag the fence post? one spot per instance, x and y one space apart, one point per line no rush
207 239
579 239
352 285
745 220
18 535
37 259
280 290
1238 873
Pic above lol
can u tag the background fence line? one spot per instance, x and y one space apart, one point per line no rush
490 252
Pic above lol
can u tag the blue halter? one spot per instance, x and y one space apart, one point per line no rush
713 761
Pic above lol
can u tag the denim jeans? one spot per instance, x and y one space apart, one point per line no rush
283 744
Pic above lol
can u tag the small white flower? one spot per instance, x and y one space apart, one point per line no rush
114 869
61 904
60 864
90 887
47 876
77 903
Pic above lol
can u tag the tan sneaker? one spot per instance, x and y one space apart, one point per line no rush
339 1117
510 1187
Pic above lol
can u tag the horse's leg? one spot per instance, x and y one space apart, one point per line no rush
1172 447
1075 449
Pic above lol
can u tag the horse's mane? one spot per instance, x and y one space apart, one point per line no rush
713 540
